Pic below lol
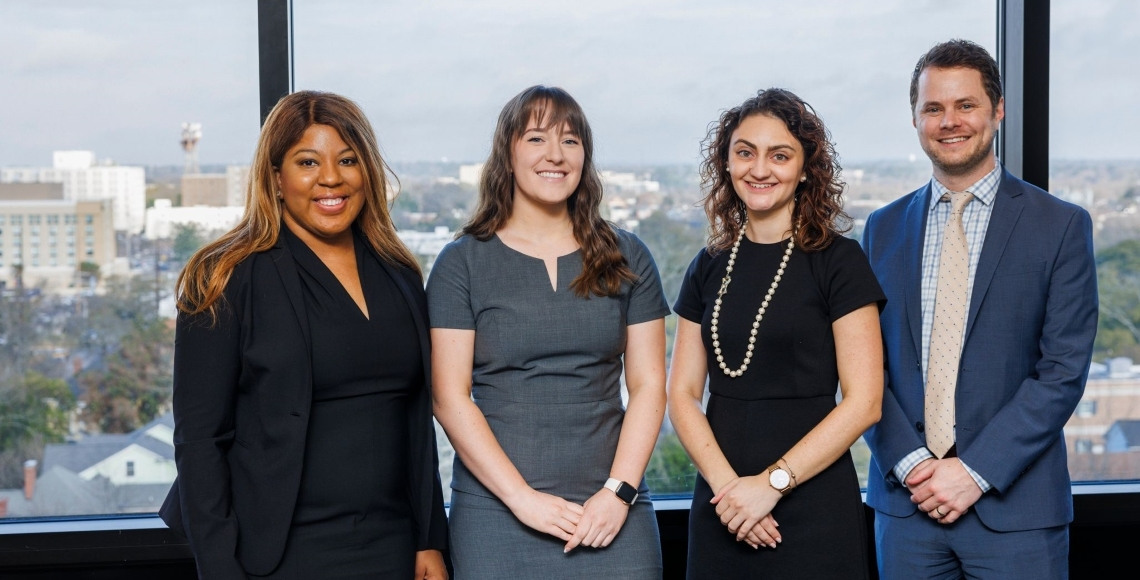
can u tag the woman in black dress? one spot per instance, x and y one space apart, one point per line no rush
777 310
303 432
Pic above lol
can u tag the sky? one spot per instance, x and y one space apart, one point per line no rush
119 77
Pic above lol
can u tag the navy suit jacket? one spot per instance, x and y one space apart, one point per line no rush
1028 344
242 395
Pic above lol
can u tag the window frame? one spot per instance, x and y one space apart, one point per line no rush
143 539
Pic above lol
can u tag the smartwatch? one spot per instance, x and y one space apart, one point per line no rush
779 479
624 491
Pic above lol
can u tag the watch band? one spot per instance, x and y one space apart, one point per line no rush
624 491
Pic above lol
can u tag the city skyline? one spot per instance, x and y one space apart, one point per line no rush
118 78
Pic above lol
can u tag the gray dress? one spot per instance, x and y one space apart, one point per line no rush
547 377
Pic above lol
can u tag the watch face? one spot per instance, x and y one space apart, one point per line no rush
779 478
627 494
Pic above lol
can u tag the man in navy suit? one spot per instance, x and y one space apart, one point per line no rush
998 503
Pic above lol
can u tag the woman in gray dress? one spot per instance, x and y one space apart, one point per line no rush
533 310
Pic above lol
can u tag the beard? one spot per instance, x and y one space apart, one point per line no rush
962 164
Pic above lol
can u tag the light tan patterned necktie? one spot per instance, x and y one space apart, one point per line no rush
946 336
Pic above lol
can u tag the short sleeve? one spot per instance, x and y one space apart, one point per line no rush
449 290
850 283
690 303
646 296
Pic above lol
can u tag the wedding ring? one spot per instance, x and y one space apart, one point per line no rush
938 510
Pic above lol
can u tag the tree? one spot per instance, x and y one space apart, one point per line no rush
89 273
673 245
18 333
35 412
131 346
136 383
1118 281
670 470
188 238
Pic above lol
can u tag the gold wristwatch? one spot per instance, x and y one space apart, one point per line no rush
779 479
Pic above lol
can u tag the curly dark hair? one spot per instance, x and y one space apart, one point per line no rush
818 210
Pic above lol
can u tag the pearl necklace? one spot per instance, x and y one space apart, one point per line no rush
759 314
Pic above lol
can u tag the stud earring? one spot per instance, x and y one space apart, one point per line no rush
803 178
279 196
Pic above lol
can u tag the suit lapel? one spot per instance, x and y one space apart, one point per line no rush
1003 218
291 282
914 229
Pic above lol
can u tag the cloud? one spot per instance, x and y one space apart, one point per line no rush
120 76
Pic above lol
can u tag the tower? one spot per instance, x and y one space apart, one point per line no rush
191 133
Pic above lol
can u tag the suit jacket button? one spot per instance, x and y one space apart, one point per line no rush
920 426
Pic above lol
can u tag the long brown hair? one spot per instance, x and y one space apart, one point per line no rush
603 266
818 210
203 280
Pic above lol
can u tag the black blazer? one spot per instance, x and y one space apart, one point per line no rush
242 395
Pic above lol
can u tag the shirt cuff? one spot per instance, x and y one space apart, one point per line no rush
903 467
978 479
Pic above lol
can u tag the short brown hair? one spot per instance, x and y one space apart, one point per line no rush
959 53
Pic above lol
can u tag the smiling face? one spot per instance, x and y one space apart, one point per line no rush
956 124
765 163
320 182
546 163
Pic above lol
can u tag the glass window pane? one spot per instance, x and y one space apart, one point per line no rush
651 76
95 94
1094 161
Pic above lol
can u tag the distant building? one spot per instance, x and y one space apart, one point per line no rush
85 180
470 174
207 189
216 189
163 218
1103 435
51 238
427 245
1123 436
101 474
626 183
30 191
237 183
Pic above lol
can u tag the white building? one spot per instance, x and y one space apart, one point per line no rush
626 183
427 244
84 179
470 174
162 218
237 183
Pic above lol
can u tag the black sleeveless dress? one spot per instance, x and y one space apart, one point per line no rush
789 387
353 517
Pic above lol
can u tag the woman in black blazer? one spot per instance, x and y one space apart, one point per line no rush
303 431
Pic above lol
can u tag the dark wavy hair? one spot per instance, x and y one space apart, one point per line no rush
603 266
959 53
818 212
